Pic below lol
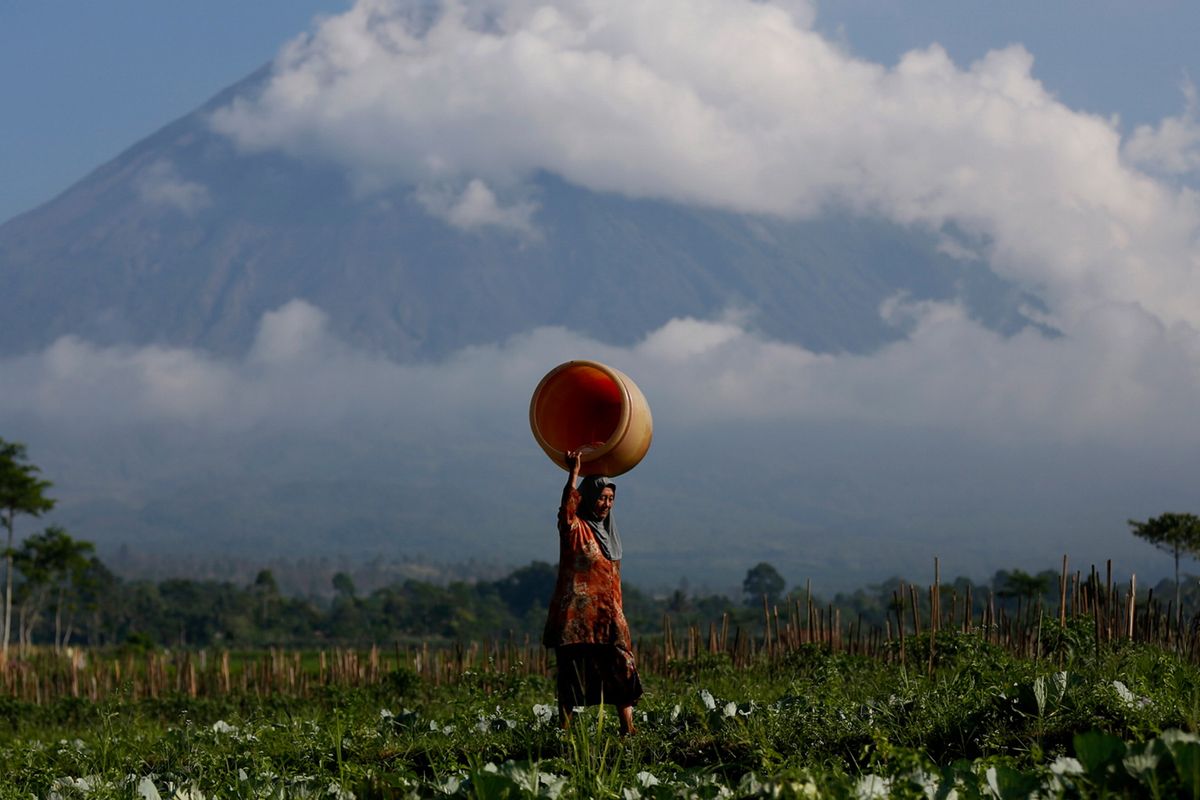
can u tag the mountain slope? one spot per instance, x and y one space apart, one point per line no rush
183 240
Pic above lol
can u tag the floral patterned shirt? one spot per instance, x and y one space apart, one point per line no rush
586 606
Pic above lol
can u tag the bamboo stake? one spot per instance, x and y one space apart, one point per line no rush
1132 602
811 619
1062 594
767 648
935 599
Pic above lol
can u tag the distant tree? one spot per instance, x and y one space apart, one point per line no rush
71 576
1021 584
678 603
99 599
267 590
30 593
1177 534
762 579
348 619
343 585
528 587
21 492
265 581
54 565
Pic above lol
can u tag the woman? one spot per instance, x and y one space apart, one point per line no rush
586 624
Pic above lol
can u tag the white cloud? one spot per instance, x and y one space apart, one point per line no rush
737 105
75 380
681 340
292 333
1125 380
1174 146
477 207
160 185
949 246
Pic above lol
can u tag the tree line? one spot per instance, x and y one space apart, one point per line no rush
59 593
86 604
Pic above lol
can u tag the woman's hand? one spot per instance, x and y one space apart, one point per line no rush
572 459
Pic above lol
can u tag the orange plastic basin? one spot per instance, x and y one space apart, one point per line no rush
594 407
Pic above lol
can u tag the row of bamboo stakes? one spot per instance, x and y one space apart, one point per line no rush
1107 611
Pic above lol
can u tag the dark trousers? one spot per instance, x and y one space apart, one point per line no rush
590 674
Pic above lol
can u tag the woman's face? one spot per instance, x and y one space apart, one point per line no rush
604 503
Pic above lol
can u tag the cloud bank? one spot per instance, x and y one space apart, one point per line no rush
1126 381
956 441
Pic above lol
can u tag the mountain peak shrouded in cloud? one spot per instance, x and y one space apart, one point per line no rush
881 311
738 106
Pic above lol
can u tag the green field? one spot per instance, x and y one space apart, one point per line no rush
1118 720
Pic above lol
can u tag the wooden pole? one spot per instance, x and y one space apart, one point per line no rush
1132 602
1062 594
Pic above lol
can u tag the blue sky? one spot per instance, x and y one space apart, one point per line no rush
81 81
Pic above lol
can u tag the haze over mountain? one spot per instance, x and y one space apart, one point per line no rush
880 313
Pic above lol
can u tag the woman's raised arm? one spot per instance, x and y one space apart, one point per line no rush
572 458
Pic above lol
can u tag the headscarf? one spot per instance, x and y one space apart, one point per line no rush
606 529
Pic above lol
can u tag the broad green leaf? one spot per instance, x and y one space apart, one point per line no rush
1060 685
1098 752
1187 765
1009 784
1039 694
